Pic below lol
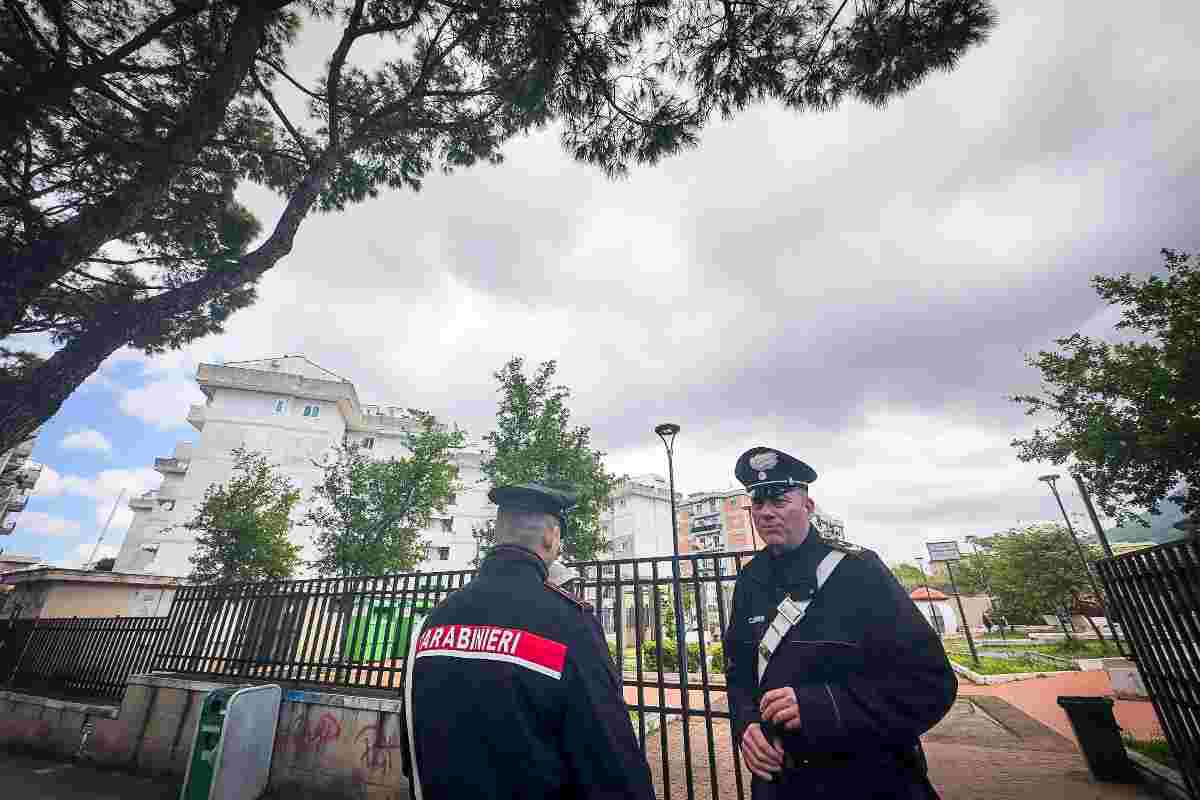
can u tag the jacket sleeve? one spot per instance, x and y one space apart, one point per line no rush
741 663
907 685
601 751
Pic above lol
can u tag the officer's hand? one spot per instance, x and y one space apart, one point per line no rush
779 706
763 758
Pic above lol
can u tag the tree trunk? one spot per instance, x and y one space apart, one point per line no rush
29 271
27 402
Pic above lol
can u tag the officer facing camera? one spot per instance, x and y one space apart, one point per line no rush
833 673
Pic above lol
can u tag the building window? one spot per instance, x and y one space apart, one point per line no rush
447 525
312 411
368 443
443 554
281 406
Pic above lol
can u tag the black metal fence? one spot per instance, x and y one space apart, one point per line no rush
354 634
1156 593
337 632
85 658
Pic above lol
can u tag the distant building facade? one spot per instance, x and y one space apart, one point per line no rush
720 521
638 523
50 592
11 562
296 412
18 476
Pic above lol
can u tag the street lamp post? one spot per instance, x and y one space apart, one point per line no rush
667 431
1049 480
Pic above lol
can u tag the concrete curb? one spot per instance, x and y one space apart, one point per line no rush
992 680
86 709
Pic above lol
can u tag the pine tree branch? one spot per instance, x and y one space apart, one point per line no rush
287 123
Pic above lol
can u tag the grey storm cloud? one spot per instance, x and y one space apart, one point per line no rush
793 276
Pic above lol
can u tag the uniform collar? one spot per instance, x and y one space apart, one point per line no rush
798 565
513 558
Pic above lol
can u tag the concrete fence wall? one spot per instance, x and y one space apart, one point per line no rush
326 745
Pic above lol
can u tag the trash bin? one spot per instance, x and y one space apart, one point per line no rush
1099 738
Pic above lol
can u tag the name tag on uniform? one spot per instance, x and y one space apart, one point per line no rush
753 620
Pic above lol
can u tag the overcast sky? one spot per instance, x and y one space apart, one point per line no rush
857 288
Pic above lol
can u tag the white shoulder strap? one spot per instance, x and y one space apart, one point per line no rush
791 612
415 786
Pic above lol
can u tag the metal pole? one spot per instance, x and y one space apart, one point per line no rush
1108 551
1087 567
962 615
92 558
1087 503
667 432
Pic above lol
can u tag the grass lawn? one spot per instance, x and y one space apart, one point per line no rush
1002 666
1154 749
1076 649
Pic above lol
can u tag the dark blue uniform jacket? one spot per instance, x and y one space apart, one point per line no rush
869 672
515 695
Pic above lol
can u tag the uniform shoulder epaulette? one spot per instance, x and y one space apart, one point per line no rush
841 545
582 605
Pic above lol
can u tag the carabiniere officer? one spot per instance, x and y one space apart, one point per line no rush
833 673
511 691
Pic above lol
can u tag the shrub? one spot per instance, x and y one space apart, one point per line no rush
716 654
670 655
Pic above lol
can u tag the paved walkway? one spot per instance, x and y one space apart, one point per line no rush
985 749
24 777
1038 697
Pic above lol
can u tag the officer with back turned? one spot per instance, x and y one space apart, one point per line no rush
833 673
511 692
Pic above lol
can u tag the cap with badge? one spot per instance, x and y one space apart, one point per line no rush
534 497
767 472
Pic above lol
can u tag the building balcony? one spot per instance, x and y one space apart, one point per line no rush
17 501
172 466
196 416
705 524
144 502
28 477
13 463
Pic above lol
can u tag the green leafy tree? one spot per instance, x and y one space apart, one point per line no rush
971 574
910 576
1126 413
241 526
128 125
534 441
1035 570
369 514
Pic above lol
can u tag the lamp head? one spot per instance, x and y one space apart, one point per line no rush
666 429
1049 477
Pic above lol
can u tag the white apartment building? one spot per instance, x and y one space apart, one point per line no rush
296 412
638 524
18 476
